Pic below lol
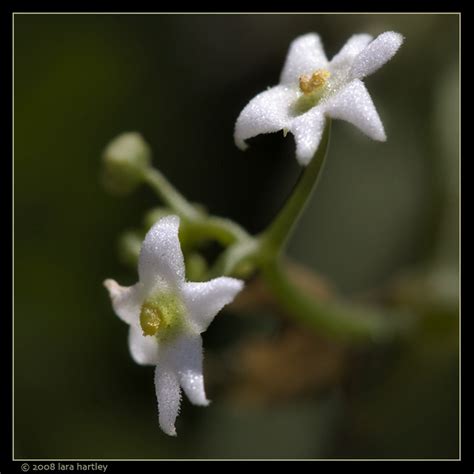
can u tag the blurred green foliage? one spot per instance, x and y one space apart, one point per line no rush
382 210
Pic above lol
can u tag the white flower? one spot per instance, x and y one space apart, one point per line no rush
311 88
166 315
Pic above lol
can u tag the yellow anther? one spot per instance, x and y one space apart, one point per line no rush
151 319
314 82
162 315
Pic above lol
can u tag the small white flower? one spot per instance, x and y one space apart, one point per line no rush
311 88
166 315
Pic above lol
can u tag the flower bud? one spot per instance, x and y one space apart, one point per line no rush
129 245
124 160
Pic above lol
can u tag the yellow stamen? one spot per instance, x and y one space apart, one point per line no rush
313 82
151 319
162 315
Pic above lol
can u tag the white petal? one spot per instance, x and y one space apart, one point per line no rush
267 112
185 356
205 300
144 349
305 55
308 130
354 105
161 259
376 54
344 59
168 395
126 301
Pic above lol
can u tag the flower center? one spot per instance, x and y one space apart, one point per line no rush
161 315
313 86
310 84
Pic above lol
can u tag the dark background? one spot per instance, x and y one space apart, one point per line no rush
383 212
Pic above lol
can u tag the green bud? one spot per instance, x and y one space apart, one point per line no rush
124 160
129 246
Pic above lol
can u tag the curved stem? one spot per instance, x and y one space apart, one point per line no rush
223 230
169 194
279 231
336 319
234 257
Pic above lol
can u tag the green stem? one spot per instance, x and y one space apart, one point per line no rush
279 231
232 261
336 319
170 195
223 230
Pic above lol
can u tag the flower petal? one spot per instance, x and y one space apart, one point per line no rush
344 59
267 112
168 395
308 130
126 301
144 349
305 55
205 300
376 54
185 356
161 259
354 105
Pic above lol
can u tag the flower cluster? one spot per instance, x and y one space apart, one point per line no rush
166 313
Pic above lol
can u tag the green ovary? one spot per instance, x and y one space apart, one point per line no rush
308 101
162 315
